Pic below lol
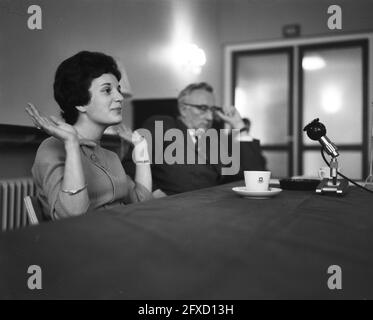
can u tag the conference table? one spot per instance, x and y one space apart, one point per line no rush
205 244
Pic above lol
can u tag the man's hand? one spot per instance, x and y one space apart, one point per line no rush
231 116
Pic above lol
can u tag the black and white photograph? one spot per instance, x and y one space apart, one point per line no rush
186 155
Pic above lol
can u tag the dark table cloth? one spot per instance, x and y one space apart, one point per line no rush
205 244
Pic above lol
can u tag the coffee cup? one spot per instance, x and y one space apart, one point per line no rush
257 180
324 172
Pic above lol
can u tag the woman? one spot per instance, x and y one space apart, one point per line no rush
72 172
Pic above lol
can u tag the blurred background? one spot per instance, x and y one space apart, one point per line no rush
277 61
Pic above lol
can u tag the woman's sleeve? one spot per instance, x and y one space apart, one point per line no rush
49 170
137 192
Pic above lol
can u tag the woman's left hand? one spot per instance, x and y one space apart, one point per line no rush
127 134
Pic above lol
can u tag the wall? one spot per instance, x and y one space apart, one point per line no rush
249 21
260 20
138 33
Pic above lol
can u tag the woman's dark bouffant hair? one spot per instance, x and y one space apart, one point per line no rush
74 77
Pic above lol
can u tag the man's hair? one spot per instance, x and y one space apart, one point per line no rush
74 77
192 87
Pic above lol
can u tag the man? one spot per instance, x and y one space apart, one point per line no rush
197 115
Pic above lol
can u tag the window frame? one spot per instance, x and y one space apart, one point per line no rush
296 43
364 146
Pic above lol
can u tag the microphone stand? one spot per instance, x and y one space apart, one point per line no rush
317 131
333 185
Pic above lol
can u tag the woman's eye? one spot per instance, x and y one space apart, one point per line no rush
107 90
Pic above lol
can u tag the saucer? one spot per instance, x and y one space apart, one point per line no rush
257 194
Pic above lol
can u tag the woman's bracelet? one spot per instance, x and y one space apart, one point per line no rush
142 162
73 192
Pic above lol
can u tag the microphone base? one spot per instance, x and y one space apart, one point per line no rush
326 186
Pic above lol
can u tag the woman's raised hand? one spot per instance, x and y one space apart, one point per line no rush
55 127
127 134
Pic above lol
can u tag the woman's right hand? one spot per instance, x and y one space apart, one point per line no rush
54 127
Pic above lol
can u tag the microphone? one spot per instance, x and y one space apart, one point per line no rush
317 131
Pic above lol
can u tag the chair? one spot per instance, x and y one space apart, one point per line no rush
33 209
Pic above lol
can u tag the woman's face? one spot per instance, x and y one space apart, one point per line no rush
106 104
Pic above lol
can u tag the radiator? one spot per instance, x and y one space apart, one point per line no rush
13 213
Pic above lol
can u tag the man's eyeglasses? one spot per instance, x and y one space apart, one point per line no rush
204 107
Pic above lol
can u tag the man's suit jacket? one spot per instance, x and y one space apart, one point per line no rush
177 178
